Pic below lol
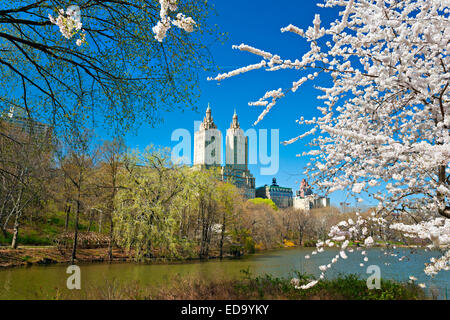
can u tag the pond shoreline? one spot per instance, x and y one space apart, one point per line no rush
31 256
126 277
165 279
34 256
42 255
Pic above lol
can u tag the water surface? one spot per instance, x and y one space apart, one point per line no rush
38 282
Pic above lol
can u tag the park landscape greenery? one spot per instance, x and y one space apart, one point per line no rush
77 197
105 202
143 203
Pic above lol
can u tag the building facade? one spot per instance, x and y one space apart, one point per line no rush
25 124
236 160
207 153
306 200
207 143
281 196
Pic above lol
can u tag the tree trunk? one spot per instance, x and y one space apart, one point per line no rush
90 220
444 210
202 239
208 229
66 225
111 233
3 226
14 242
300 237
111 223
75 236
222 235
16 221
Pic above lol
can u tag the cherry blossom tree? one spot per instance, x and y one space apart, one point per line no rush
384 123
164 24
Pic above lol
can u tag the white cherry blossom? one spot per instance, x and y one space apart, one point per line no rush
165 22
384 128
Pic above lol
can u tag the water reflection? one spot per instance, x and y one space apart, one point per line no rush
43 282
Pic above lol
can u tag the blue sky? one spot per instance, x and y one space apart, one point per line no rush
256 23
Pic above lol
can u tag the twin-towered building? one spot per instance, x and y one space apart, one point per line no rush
208 153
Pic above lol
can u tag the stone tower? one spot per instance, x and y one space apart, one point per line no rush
236 156
236 146
207 143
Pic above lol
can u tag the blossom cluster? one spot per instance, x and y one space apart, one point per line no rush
340 236
437 231
165 22
69 23
384 124
436 265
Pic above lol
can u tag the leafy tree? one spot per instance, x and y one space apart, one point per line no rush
229 199
77 160
119 74
148 204
25 164
268 202
107 181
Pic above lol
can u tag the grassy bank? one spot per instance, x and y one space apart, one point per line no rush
44 254
37 255
348 287
43 229
48 255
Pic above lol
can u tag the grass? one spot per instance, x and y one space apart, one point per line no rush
348 287
30 238
45 228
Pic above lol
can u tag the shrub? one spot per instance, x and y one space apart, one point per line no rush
267 202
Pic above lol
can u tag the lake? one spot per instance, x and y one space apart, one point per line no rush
37 282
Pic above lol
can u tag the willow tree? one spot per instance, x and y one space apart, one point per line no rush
384 123
148 204
101 62
229 199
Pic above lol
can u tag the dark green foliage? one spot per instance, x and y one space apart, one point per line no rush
346 287
309 243
253 288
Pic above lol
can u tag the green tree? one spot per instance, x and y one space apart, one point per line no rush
149 204
112 153
229 199
268 202
121 76
77 162
24 172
